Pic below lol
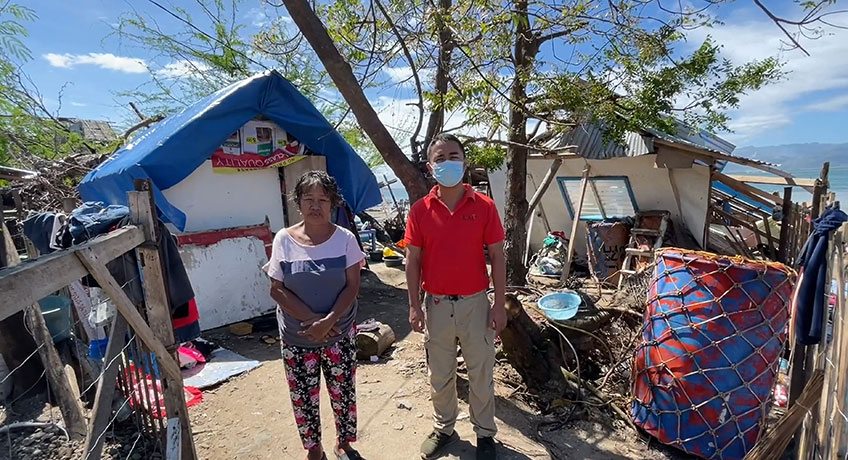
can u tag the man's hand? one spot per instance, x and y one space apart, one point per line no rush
497 317
318 328
416 319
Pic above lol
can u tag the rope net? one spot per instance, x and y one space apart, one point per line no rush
713 333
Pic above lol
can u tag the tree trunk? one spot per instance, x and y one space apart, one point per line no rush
531 350
516 159
342 75
437 116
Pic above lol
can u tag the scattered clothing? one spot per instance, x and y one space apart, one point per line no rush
304 366
93 218
39 229
814 285
316 274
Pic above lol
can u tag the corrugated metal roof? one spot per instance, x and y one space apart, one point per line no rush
91 130
589 141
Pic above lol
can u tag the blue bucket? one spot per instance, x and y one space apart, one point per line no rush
560 306
57 314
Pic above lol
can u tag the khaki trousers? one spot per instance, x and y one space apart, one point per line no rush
466 319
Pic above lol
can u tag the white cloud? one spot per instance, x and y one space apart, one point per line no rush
181 69
776 105
78 104
103 60
829 105
402 75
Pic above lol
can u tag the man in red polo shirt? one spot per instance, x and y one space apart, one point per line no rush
445 235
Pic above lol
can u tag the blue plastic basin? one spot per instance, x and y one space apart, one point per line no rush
560 306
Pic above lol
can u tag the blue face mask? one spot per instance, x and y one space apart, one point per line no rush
449 173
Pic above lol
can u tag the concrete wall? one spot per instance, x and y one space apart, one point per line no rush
214 201
228 282
652 190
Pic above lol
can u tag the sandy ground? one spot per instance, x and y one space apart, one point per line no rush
250 417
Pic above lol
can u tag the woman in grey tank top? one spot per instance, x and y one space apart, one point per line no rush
314 270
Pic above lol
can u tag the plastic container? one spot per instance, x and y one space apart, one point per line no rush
560 306
376 256
710 351
393 261
57 314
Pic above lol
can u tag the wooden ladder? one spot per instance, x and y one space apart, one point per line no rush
633 248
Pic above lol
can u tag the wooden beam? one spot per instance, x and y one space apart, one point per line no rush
749 191
543 187
783 244
25 284
102 410
54 369
566 269
96 266
158 306
721 156
805 183
759 233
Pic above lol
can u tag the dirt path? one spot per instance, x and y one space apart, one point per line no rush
250 417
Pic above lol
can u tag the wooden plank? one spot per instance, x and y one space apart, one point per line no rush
806 184
783 242
742 223
751 192
701 153
543 187
24 284
69 405
125 307
838 431
566 269
173 443
830 357
771 240
291 174
102 410
157 305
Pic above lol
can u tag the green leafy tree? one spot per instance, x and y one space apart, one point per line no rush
29 131
197 54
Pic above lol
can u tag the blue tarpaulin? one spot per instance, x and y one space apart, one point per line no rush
171 150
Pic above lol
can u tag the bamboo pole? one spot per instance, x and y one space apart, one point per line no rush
566 269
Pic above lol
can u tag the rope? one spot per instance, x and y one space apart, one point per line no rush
714 331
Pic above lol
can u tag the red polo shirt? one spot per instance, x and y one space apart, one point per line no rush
452 257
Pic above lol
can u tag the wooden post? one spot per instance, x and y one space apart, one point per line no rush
172 445
543 187
68 403
566 269
105 390
783 243
157 303
820 190
838 432
391 192
16 344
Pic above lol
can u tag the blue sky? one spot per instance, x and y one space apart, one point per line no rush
73 54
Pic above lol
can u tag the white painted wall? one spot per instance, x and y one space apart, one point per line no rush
213 201
229 284
652 190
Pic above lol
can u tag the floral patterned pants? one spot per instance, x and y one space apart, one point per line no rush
303 371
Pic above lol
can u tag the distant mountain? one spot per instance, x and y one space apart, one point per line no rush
798 156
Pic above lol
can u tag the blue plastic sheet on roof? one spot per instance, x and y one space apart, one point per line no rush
176 146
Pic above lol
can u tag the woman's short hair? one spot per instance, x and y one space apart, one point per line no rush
321 179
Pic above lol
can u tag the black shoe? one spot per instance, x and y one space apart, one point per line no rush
486 449
435 442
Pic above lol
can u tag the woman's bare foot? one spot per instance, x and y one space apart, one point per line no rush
315 453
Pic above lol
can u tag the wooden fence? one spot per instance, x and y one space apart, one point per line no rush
824 433
141 338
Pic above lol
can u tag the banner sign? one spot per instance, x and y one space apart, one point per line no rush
257 145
